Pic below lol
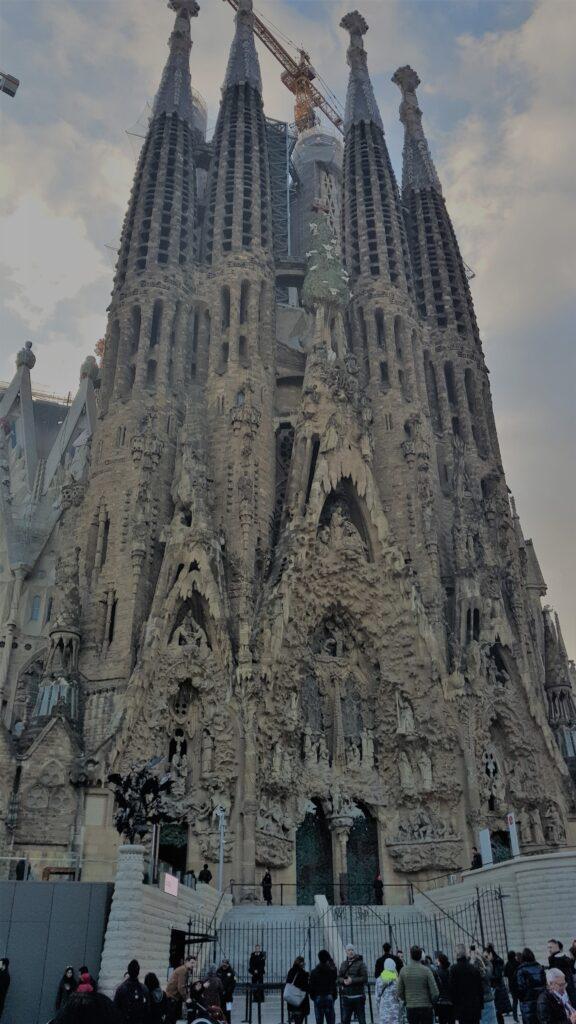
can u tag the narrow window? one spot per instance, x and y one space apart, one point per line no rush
151 373
225 307
450 382
35 608
384 376
432 392
112 622
398 337
312 470
135 328
468 626
244 297
156 323
456 426
49 609
239 398
476 624
224 353
380 328
105 536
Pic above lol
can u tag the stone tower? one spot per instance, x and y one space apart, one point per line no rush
291 568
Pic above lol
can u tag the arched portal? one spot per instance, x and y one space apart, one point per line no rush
314 872
362 858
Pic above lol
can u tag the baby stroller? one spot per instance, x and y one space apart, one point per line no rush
197 1013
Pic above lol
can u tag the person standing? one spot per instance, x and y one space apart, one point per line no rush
132 999
158 1000
553 1006
267 888
484 968
227 976
378 890
298 977
177 988
387 1002
205 875
476 862
531 982
322 988
4 981
502 1003
466 989
257 970
444 1007
417 988
510 971
66 988
353 978
212 989
387 954
565 963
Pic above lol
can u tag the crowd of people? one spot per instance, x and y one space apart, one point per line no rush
478 987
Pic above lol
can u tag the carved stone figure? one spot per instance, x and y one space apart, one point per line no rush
406 773
425 768
405 715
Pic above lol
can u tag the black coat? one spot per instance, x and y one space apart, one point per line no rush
466 990
323 981
66 988
442 975
550 1010
299 977
227 976
510 972
530 982
132 1000
4 986
256 970
501 1000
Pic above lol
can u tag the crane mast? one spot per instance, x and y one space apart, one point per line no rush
298 76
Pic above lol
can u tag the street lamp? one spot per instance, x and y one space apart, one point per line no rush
220 813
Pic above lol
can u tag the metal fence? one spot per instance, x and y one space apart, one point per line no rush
476 922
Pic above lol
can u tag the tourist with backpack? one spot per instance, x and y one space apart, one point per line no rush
530 982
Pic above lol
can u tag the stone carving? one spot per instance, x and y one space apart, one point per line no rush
406 773
425 768
554 829
405 715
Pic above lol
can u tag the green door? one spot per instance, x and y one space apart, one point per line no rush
314 875
362 856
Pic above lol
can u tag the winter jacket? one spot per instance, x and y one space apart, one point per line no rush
531 982
551 1010
355 969
442 976
177 987
158 1006
417 986
467 990
323 981
227 977
132 1001
387 1002
257 967
85 983
501 1000
510 972
66 988
212 991
565 964
300 978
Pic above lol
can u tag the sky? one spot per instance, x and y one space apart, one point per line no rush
498 86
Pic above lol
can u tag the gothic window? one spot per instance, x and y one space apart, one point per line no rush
151 373
35 608
343 508
244 297
225 307
384 376
240 398
284 445
112 622
380 329
48 616
312 467
398 338
156 323
432 392
450 383
135 324
476 624
104 540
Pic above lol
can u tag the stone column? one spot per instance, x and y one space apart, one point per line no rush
340 829
125 935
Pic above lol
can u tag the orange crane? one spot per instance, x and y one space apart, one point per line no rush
298 76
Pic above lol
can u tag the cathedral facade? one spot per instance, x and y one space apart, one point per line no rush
271 541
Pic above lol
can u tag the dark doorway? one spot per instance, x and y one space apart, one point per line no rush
362 856
177 947
501 849
173 847
314 873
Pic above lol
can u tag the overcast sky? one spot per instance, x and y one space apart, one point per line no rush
499 81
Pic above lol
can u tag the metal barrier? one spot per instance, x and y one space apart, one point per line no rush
253 1008
284 894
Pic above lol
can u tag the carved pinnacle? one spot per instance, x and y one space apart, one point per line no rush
190 7
357 26
406 79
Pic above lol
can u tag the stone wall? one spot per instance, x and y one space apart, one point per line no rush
143 916
540 897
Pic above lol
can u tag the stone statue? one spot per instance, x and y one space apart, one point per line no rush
207 753
405 715
323 755
406 773
425 767
554 829
307 744
535 822
367 749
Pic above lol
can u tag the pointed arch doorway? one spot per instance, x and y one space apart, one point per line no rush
314 870
362 858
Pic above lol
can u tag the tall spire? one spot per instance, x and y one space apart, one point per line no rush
174 94
419 170
243 64
360 100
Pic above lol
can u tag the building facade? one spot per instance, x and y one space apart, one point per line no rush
277 543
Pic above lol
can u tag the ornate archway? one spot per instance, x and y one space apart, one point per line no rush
362 858
314 870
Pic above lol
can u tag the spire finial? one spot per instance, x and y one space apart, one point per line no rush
243 65
26 356
174 94
419 170
360 101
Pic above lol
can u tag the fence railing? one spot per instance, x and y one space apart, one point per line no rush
355 893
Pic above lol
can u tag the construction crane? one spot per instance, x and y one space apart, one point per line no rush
298 76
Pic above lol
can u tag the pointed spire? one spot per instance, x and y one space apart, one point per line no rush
175 93
360 100
419 170
243 64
